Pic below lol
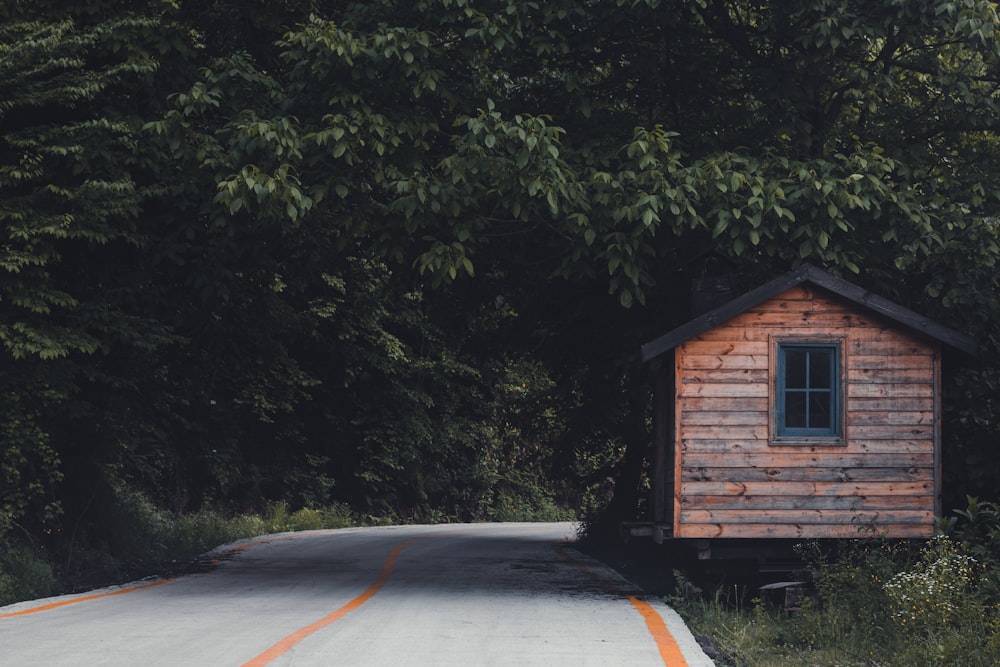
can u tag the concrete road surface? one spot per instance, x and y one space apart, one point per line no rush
482 594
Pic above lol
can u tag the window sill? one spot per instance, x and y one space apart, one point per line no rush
807 442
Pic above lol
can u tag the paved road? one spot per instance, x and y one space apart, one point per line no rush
483 594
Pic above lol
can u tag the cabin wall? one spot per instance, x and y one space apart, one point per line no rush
731 481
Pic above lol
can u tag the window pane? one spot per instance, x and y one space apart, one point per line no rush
819 368
819 409
795 369
795 409
807 390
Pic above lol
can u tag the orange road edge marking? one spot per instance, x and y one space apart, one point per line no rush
244 547
63 603
286 644
670 652
88 598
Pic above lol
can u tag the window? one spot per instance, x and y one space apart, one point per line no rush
807 391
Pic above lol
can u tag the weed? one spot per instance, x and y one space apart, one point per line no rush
875 603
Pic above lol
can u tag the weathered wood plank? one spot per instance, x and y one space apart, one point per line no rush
808 502
891 431
821 458
882 361
807 488
809 474
700 432
900 376
709 418
868 339
678 430
818 319
873 390
724 404
725 376
732 446
799 531
745 389
894 404
814 517
737 332
887 446
853 446
723 347
865 339
938 453
886 343
889 417
724 361
792 304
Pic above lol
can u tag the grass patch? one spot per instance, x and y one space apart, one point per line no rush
872 603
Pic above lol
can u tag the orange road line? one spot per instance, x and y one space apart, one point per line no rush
63 603
670 652
244 547
88 598
291 640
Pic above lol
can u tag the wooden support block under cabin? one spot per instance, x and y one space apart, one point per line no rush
704 549
791 592
630 529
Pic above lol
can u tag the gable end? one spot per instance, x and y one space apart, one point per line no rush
811 274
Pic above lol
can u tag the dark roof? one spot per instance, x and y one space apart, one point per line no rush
808 274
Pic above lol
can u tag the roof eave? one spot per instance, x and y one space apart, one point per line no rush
812 274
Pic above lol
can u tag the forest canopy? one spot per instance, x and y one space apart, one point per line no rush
402 254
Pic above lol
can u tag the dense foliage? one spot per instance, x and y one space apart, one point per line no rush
402 254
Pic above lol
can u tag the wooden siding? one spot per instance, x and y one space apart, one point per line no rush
731 481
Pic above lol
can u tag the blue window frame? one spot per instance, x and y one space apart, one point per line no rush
808 390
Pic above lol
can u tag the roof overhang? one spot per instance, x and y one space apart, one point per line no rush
808 273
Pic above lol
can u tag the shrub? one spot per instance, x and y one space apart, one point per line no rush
929 597
23 574
942 614
977 527
510 508
138 538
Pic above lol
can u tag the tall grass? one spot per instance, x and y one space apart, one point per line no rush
872 603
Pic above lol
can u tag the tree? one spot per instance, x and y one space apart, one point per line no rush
405 254
69 201
616 138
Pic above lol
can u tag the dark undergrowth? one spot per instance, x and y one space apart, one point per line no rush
144 540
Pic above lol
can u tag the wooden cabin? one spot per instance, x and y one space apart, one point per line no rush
806 408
